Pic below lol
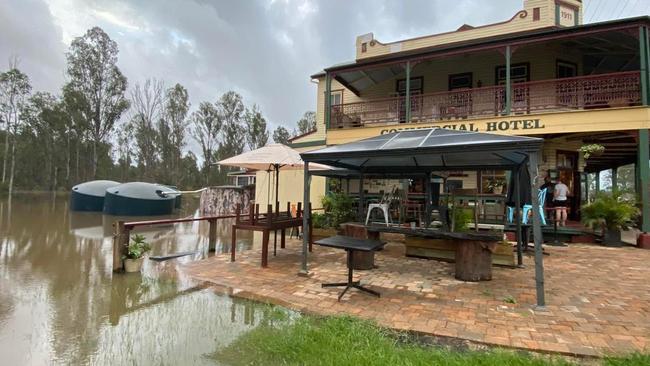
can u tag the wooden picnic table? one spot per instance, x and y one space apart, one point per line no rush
266 223
473 255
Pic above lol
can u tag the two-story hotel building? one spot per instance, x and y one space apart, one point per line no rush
540 73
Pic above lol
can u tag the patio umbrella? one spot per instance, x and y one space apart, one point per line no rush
272 157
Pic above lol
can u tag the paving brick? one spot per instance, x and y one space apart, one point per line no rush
597 297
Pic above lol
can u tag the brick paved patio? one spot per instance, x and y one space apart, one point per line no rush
598 298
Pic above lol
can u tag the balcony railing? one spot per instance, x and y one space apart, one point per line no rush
583 92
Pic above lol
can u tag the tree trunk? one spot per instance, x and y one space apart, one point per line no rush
77 162
13 166
6 155
94 159
67 160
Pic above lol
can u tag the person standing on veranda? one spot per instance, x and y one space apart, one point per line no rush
560 194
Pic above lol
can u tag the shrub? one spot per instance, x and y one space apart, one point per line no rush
338 209
613 211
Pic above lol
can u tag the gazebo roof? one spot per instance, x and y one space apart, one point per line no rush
430 149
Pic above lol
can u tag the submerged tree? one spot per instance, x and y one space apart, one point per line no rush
281 135
307 123
256 133
94 75
14 91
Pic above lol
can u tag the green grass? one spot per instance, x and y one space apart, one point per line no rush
348 341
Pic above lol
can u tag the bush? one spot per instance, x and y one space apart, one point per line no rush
338 209
611 211
320 221
462 218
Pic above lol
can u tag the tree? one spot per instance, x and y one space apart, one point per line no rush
45 121
231 109
125 137
94 75
174 123
256 133
307 123
14 91
281 135
206 126
147 105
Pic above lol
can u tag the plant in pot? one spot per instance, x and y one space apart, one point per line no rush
611 213
135 254
496 185
589 150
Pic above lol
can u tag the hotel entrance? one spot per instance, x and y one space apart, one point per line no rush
567 172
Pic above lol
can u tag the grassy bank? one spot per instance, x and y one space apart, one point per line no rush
347 341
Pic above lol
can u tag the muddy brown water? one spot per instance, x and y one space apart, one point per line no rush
60 303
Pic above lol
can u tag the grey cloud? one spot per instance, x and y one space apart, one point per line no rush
263 49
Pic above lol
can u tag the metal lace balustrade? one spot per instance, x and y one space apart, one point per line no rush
556 95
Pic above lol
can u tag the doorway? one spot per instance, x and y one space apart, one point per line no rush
567 168
416 86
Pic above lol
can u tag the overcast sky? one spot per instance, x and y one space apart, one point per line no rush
265 49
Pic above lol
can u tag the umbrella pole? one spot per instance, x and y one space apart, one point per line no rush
275 232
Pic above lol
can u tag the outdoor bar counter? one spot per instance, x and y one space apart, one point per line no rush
473 253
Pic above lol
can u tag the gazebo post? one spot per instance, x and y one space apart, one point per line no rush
537 231
427 199
361 198
305 219
517 216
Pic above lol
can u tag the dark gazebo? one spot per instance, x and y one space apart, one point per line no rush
425 151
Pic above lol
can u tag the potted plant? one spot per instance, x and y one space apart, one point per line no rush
496 185
135 254
611 213
589 150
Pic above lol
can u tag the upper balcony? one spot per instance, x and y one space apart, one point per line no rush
619 89
587 67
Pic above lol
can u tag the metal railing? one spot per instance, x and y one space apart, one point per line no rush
583 92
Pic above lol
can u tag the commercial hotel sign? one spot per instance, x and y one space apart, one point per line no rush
512 125
612 119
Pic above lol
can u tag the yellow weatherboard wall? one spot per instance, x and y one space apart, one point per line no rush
290 189
613 119
367 46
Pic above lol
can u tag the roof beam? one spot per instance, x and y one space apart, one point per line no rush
347 86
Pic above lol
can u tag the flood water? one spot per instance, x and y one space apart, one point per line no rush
60 303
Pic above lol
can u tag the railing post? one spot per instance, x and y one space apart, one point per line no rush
644 178
328 100
643 62
508 82
120 243
407 104
212 236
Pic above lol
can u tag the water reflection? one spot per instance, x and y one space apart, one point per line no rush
60 302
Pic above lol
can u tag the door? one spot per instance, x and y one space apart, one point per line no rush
567 167
416 90
519 73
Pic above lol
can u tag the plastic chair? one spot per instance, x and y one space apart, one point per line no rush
541 198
